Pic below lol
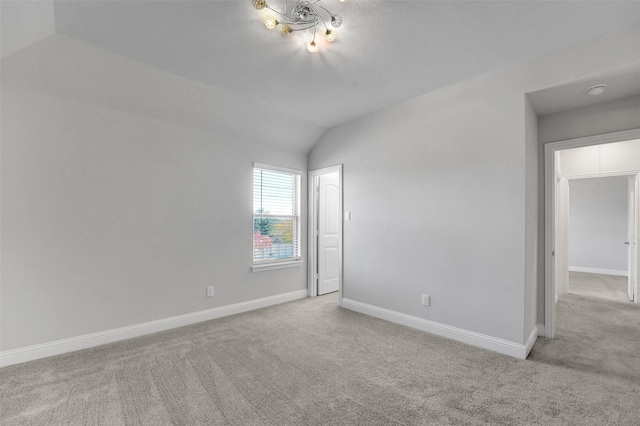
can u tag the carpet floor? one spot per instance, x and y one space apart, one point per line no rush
600 286
308 362
597 329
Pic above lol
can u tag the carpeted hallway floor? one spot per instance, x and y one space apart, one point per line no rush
309 363
609 287
597 329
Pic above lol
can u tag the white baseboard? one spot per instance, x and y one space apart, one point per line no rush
541 332
533 336
29 353
502 346
600 271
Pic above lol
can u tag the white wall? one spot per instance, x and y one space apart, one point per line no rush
598 119
531 216
598 224
417 182
111 219
438 187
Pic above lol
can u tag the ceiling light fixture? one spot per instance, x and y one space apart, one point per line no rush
304 15
596 90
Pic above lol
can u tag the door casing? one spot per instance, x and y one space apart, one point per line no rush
632 235
313 226
550 206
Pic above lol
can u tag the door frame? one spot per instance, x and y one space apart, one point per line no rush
550 149
312 277
636 223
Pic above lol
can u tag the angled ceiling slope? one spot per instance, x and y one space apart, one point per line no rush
386 51
68 68
24 23
620 84
246 77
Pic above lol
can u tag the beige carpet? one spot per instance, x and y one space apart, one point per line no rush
307 363
609 287
597 329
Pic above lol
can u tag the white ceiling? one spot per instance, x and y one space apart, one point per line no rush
24 23
620 84
386 51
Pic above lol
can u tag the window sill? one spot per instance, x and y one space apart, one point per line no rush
272 266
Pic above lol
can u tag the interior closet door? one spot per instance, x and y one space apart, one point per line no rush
329 217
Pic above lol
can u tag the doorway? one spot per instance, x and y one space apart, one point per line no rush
325 231
601 226
605 158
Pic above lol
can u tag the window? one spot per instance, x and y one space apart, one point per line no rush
276 215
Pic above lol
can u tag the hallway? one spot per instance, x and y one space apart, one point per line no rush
608 287
597 329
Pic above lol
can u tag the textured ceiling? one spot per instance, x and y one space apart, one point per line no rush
213 65
620 84
24 23
386 51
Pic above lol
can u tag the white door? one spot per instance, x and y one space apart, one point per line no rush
329 220
632 240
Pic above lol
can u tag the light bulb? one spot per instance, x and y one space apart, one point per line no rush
342 1
312 46
259 4
270 22
330 36
285 30
336 21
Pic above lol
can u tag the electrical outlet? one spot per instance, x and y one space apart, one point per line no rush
426 300
210 291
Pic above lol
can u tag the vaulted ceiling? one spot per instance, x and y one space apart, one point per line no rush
386 51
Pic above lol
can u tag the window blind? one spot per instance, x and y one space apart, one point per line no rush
276 221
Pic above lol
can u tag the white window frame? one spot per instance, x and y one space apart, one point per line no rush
279 264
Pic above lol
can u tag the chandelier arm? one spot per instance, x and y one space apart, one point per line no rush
323 8
302 29
323 21
303 15
278 12
326 10
311 23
